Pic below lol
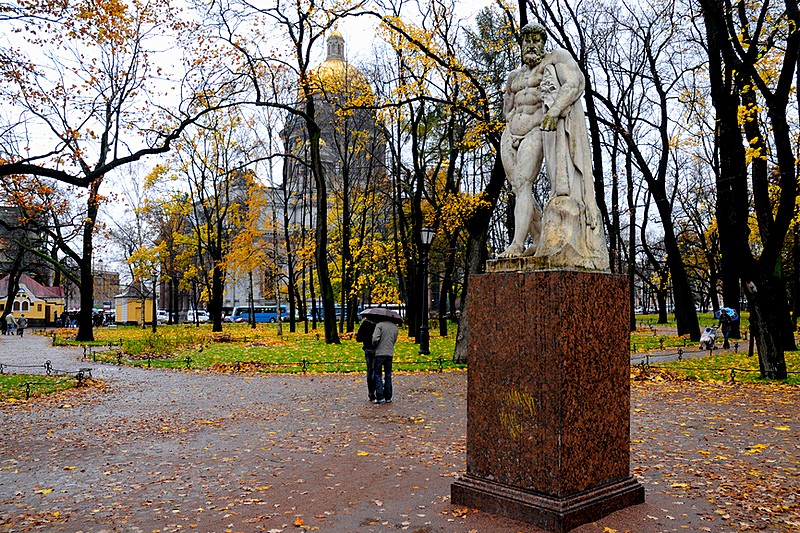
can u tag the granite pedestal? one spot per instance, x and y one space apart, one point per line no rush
548 408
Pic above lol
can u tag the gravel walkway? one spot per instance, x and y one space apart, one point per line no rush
154 450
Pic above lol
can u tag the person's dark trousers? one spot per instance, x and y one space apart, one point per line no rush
369 355
383 377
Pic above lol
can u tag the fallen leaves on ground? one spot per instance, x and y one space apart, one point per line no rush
732 445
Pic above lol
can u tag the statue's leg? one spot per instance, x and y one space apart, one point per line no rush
535 229
534 147
521 167
510 156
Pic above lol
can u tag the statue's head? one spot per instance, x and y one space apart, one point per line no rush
532 38
533 30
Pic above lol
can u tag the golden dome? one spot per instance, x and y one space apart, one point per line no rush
337 76
340 77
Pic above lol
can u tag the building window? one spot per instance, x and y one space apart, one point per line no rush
16 306
25 306
39 308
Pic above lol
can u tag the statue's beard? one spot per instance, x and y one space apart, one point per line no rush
533 55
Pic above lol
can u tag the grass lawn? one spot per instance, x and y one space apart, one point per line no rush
722 367
15 387
648 337
241 348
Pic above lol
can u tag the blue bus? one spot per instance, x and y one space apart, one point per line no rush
263 313
337 309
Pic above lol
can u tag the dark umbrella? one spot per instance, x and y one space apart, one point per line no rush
381 313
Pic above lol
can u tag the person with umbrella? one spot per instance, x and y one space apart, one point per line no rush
726 316
364 336
22 323
383 339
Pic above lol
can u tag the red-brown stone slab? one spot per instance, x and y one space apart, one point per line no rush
548 416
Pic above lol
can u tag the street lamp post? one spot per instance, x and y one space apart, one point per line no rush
424 334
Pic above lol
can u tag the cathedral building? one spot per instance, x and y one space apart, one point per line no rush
352 143
353 154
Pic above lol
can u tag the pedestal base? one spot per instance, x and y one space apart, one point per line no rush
548 398
558 515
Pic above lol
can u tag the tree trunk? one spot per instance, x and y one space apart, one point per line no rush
321 230
154 303
765 313
610 220
661 298
215 301
475 261
85 325
784 312
631 270
13 287
685 312
760 278
279 317
173 299
796 273
251 316
614 234
445 289
476 254
291 286
348 314
291 295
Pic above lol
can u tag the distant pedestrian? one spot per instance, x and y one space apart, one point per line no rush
22 323
383 338
725 324
364 336
11 323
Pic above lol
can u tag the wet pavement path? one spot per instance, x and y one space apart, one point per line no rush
156 450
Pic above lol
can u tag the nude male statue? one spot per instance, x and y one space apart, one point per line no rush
545 122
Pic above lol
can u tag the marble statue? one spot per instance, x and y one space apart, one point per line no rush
545 122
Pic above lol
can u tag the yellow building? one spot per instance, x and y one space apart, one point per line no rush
40 304
128 308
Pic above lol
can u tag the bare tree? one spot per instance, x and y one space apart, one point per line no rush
645 125
89 93
740 37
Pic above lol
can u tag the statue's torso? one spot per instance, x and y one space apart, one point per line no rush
526 113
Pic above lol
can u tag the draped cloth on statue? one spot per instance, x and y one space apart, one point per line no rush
572 231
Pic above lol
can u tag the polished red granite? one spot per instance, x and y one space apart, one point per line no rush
548 397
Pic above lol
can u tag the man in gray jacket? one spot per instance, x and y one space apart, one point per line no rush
383 338
22 323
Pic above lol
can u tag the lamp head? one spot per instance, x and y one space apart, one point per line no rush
427 235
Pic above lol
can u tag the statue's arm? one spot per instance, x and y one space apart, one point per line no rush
508 97
572 84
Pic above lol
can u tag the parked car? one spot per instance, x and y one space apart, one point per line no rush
202 316
162 316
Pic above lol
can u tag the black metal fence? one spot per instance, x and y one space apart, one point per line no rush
80 376
304 365
645 361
